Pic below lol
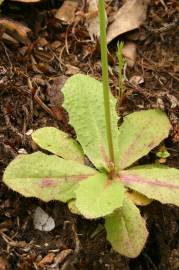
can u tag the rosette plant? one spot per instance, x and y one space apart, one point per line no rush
113 183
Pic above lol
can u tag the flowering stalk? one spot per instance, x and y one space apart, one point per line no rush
106 88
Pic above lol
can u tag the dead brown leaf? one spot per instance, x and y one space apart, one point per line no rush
15 29
66 12
129 51
93 21
130 16
71 70
56 98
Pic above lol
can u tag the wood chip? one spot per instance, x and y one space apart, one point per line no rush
48 259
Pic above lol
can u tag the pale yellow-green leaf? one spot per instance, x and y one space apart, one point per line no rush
58 143
83 100
99 196
45 177
157 182
126 230
139 134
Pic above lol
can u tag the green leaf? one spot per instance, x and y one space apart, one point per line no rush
139 133
157 182
83 99
45 177
162 154
126 230
99 196
58 143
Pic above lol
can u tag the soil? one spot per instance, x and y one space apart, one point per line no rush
31 72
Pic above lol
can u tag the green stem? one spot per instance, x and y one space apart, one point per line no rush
105 78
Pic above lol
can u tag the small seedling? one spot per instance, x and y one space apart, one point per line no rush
162 154
113 186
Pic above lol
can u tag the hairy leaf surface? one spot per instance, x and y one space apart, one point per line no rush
45 177
83 99
99 196
58 143
126 230
157 182
139 133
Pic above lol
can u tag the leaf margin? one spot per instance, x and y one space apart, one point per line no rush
139 178
48 173
116 234
98 196
66 143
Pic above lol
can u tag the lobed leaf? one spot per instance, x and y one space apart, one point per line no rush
157 182
126 230
139 133
45 177
83 99
99 196
58 143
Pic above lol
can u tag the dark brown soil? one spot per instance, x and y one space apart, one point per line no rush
30 74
